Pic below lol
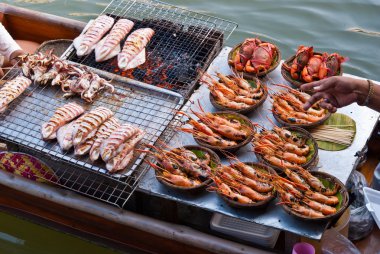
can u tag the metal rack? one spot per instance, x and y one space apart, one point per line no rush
183 46
149 109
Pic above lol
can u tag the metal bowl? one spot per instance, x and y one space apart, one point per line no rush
232 115
342 192
214 158
259 204
311 163
246 75
245 110
297 83
306 126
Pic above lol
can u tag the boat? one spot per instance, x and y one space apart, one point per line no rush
155 231
85 217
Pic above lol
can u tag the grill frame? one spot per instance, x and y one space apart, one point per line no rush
184 44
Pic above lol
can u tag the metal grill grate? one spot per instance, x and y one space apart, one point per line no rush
184 43
149 109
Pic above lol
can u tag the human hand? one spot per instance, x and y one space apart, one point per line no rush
336 91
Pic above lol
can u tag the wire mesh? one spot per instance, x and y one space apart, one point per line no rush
183 46
150 110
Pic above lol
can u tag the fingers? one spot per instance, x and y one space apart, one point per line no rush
328 106
313 99
319 86
1 72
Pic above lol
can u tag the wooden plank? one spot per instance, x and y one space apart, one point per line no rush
30 25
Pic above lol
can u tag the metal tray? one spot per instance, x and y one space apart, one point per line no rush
149 108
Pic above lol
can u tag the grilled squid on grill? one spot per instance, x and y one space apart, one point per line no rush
11 90
61 116
115 142
109 46
85 43
102 134
121 160
90 124
133 52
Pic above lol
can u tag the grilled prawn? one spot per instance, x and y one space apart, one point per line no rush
109 46
133 52
85 43
11 90
61 116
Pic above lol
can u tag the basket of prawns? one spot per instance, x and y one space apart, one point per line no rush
285 147
312 196
234 93
288 109
219 131
184 168
244 184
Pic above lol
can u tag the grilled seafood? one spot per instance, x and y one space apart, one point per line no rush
133 52
115 142
254 56
89 124
102 134
217 130
193 165
61 116
73 79
282 148
109 46
85 42
309 66
124 156
288 106
11 90
234 92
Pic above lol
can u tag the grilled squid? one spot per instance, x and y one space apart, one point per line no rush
61 116
86 42
89 124
133 52
109 46
11 90
102 134
114 143
122 159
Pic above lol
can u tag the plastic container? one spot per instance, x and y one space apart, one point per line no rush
372 200
376 178
340 226
248 231
303 248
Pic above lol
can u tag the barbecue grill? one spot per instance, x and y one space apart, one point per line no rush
147 97
183 46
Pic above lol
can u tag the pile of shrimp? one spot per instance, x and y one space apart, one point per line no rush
216 130
305 194
288 106
180 166
234 92
242 183
281 148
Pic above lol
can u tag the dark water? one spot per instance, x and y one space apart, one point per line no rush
351 28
